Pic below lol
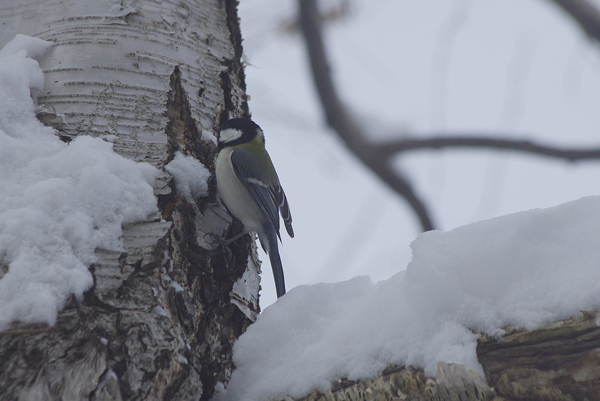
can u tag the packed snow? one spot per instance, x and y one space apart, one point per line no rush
190 175
524 270
58 201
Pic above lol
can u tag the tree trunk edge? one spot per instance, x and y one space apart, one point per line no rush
135 335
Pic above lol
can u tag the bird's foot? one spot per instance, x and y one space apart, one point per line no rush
228 255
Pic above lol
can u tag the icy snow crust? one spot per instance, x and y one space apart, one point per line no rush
526 270
58 202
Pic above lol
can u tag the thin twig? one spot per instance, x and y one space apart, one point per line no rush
340 119
390 148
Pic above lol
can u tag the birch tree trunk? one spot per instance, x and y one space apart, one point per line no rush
161 318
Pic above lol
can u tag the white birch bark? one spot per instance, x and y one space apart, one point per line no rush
161 319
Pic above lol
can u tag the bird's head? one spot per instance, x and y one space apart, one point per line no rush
238 131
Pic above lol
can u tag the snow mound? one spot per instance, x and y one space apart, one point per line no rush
526 270
58 202
191 177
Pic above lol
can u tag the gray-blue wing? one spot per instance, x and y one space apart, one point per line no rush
262 192
284 208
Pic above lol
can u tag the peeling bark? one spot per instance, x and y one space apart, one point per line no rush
560 362
162 316
396 383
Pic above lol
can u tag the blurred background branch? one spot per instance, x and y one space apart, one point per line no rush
378 156
585 14
339 118
451 140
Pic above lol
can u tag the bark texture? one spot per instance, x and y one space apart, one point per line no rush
557 363
454 384
560 362
162 316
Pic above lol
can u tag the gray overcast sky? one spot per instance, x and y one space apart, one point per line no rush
518 67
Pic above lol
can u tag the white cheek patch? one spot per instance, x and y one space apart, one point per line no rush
229 135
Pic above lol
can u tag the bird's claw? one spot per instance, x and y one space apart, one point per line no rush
216 238
223 243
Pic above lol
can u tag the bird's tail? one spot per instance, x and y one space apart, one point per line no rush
277 269
268 240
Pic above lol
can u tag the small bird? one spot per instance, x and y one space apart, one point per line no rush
248 185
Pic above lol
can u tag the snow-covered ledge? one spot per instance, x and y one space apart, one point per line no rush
493 305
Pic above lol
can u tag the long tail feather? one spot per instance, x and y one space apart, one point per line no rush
277 270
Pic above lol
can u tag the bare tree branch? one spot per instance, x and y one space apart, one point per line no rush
377 156
585 13
390 148
339 118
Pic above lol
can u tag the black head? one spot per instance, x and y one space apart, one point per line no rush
237 131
